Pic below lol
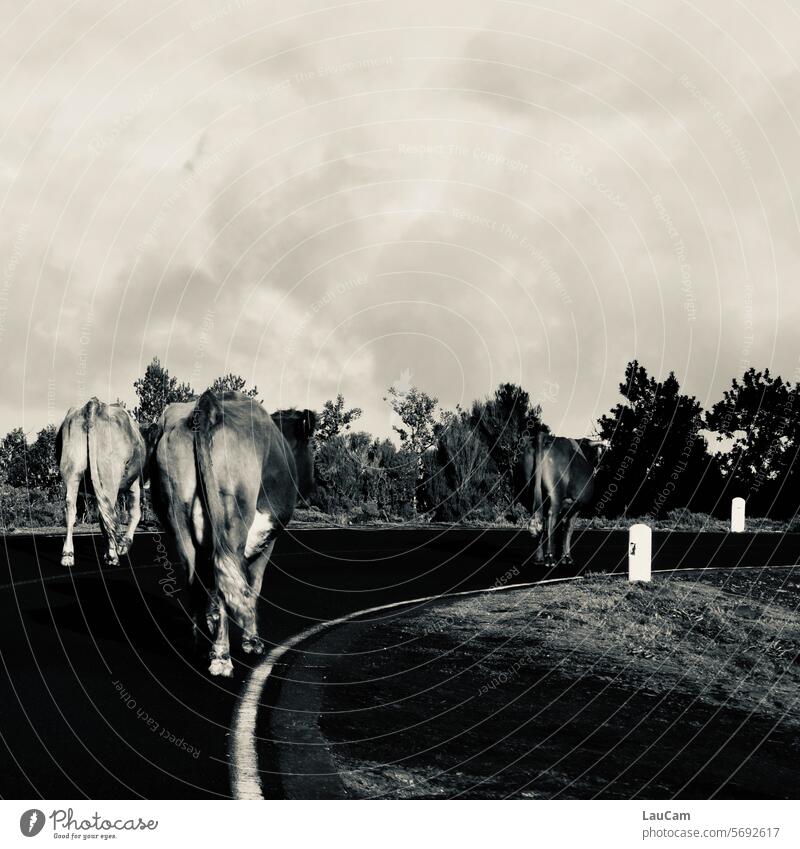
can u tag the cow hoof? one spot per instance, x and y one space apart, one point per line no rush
123 549
221 666
110 559
68 559
253 645
550 561
568 561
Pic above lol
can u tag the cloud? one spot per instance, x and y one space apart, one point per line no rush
523 194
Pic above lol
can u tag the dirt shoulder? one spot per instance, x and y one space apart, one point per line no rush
687 687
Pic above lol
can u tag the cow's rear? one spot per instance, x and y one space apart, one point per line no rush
102 444
228 483
559 478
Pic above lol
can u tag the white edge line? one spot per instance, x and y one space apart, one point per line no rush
245 782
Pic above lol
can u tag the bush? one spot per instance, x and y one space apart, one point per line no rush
793 526
356 475
28 508
337 472
460 482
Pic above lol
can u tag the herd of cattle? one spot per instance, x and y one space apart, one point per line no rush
224 478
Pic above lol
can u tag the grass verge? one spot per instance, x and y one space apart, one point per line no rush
681 687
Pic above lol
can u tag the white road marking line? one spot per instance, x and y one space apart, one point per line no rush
245 782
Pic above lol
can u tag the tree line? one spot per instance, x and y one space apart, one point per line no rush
665 452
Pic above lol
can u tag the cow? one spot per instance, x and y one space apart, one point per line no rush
554 477
225 480
103 446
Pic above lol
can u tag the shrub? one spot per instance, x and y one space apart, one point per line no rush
460 482
28 508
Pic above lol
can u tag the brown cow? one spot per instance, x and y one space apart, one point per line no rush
225 481
102 445
557 477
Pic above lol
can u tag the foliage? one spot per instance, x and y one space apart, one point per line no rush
760 415
232 383
28 508
416 411
338 476
505 422
31 466
334 419
43 473
464 478
155 390
655 447
355 470
12 456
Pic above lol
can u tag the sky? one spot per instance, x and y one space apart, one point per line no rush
343 197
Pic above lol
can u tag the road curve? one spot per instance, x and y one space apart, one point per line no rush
102 698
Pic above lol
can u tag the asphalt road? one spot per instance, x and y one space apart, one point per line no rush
102 697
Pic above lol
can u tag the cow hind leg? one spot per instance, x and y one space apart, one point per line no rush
133 504
570 527
110 542
186 545
199 603
111 555
232 584
536 530
220 654
70 514
552 524
251 642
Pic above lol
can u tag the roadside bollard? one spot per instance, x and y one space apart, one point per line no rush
640 548
737 515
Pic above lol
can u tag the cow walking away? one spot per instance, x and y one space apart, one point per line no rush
102 446
555 481
225 481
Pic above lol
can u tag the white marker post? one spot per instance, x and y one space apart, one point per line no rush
640 549
737 516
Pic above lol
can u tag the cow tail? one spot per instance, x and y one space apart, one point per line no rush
106 500
229 574
537 518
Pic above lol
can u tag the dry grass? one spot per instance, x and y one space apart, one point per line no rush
590 687
674 633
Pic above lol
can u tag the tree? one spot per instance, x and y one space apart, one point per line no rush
656 455
506 422
759 414
232 383
462 483
13 449
367 476
334 419
415 410
31 466
43 473
338 476
157 389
